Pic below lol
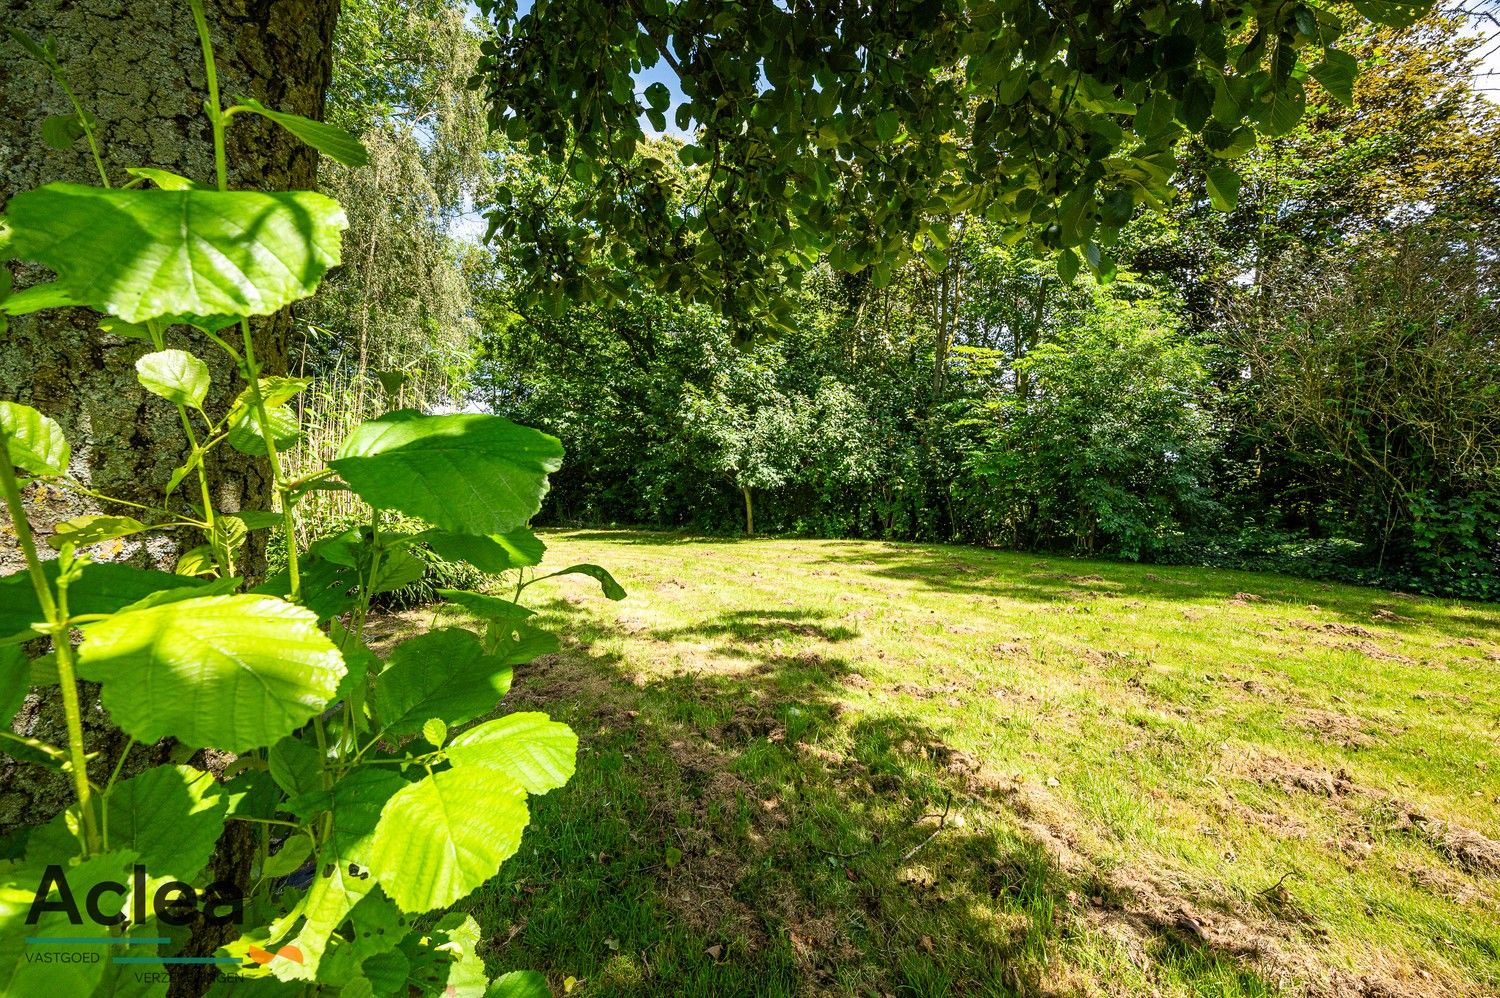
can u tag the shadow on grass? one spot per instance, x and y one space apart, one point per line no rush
649 538
757 626
742 834
978 572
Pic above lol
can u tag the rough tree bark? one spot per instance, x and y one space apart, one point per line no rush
138 68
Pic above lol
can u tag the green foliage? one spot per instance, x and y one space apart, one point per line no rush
369 822
466 473
1111 449
236 672
883 125
33 442
333 142
198 256
1381 375
447 833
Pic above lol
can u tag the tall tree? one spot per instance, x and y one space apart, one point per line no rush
137 70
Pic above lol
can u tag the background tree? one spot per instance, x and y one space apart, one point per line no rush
1382 375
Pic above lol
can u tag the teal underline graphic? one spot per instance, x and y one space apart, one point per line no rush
96 941
176 959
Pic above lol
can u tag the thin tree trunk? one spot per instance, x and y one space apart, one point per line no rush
749 513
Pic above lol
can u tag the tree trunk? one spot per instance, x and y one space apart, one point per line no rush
137 67
749 513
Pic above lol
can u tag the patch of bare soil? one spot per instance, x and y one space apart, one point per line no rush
1370 649
1440 883
1463 847
1333 627
927 692
1138 909
1107 656
1254 687
1385 615
1332 728
699 888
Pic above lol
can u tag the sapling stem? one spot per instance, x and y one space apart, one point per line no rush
251 368
55 611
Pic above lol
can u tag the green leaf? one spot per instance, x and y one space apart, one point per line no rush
337 895
84 530
327 589
1336 74
180 473
165 179
15 680
128 330
1117 207
234 672
517 644
518 548
468 473
229 532
175 375
519 984
60 131
330 140
887 124
1067 266
1224 188
387 972
435 731
391 382
1393 13
485 607
99 588
443 836
196 561
534 750
245 435
274 390
18 887
1284 109
296 766
38 297
195 255
187 589
289 858
259 519
358 799
446 959
35 442
444 673
612 589
397 570
170 816
658 96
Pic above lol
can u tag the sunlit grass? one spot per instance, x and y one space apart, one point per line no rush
869 768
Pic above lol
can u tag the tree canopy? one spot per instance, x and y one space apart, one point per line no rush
857 131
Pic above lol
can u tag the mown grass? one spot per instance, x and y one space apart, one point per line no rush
884 769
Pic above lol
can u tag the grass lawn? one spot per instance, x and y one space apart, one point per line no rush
816 767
